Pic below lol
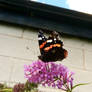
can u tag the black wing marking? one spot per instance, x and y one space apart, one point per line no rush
41 37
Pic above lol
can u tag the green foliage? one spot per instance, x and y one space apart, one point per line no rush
79 85
30 86
20 87
4 88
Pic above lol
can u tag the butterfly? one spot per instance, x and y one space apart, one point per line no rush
51 48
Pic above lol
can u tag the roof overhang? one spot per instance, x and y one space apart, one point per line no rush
43 16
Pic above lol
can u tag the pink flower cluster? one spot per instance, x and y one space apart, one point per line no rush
51 74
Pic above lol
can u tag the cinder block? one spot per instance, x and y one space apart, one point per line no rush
76 42
17 74
88 59
10 30
30 34
5 68
73 42
88 45
74 59
20 48
34 47
83 77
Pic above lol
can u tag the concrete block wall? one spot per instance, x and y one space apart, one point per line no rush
19 46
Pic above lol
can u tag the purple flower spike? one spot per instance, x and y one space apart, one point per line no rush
51 74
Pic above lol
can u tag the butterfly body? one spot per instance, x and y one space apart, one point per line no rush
51 48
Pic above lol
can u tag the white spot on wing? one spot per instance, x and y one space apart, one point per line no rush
54 39
49 41
39 38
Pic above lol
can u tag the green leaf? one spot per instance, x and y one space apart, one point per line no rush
80 85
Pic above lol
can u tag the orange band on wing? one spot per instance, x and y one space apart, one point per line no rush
47 48
51 46
42 45
56 45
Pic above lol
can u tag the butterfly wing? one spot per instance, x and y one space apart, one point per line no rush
53 42
42 41
52 48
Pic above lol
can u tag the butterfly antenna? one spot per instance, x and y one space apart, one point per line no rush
40 32
60 33
41 36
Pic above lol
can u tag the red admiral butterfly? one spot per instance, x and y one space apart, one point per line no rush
51 48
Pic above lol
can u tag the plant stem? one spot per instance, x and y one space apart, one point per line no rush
6 90
69 91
